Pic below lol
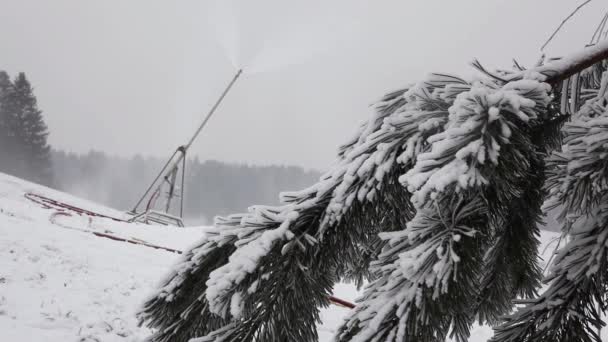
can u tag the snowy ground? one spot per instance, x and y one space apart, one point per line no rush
59 284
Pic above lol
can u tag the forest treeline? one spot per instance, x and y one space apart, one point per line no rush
212 187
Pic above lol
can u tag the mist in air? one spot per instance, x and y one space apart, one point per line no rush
298 32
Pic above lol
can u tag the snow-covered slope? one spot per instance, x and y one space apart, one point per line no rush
59 282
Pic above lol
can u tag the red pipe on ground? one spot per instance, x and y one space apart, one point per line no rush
49 203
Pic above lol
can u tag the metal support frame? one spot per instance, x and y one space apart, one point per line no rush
168 174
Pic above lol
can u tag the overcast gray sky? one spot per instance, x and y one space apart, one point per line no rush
136 76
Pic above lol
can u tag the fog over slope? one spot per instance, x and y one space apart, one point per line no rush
212 187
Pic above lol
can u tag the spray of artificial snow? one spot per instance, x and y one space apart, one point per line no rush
294 33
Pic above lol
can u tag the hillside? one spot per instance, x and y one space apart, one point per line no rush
61 284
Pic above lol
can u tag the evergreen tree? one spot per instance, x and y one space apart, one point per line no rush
5 83
8 140
436 202
32 132
24 150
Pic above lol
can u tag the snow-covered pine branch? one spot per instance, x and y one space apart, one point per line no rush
431 271
578 181
559 71
178 310
450 173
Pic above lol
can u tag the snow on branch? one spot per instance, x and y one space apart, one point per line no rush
480 122
578 183
465 152
565 67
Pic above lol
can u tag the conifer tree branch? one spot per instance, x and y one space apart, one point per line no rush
511 263
564 68
432 268
568 309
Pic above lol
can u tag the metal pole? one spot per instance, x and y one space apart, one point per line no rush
171 178
181 204
215 106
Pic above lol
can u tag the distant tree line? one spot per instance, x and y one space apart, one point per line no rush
212 187
24 150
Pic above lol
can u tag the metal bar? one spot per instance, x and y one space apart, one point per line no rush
215 106
160 174
170 178
181 204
